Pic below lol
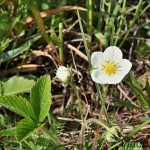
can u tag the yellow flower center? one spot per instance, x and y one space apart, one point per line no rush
110 67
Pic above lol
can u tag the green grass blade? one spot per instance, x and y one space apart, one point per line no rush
136 15
110 24
13 53
115 145
121 23
84 40
90 15
124 103
134 131
61 44
148 92
101 15
132 82
108 14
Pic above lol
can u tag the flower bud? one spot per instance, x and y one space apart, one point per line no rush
63 74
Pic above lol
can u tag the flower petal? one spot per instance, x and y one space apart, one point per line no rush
96 59
114 79
125 66
98 76
112 53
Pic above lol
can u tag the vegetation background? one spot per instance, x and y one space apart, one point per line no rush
36 37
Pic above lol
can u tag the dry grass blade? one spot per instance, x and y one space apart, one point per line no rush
55 11
22 68
77 52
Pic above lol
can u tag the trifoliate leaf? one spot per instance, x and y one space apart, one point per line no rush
18 104
26 128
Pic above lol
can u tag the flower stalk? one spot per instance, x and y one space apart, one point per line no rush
73 86
64 75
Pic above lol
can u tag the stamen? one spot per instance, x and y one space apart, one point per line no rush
110 67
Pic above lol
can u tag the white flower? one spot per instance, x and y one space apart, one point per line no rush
63 74
109 67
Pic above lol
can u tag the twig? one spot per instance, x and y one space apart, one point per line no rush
77 52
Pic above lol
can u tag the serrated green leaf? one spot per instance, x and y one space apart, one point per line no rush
8 132
26 128
40 97
18 105
16 84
